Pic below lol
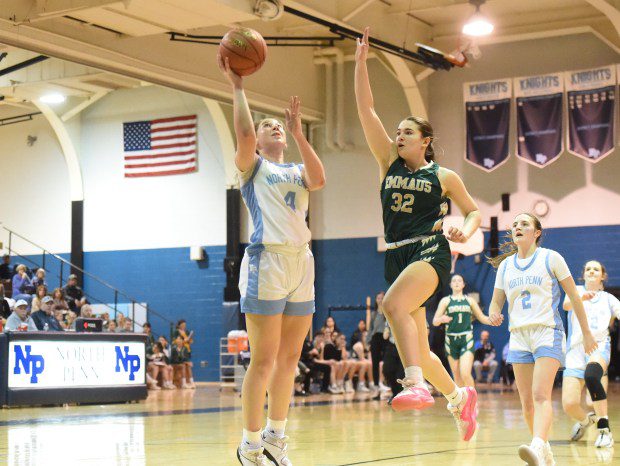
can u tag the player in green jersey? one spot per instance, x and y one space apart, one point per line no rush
456 310
414 193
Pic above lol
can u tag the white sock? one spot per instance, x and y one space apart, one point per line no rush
414 373
455 397
183 381
537 442
251 440
276 428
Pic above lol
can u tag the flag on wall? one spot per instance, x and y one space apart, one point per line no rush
591 98
160 147
487 110
539 118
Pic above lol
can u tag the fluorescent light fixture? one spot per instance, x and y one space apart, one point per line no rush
477 25
54 98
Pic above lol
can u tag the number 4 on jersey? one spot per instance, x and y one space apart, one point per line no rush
290 200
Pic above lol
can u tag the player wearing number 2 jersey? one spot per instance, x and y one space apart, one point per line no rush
277 271
530 278
414 193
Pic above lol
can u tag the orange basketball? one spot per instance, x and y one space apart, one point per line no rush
246 50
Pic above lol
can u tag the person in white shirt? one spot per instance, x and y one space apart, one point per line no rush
277 271
530 278
590 370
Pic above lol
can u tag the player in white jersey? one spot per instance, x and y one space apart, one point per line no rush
277 272
590 370
530 277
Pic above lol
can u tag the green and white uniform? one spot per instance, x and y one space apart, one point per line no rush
459 331
413 211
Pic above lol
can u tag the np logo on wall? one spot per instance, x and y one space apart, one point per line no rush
46 364
591 96
539 118
487 113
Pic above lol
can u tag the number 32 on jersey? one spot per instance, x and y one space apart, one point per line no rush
402 203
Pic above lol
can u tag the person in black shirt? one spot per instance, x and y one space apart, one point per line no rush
5 308
6 273
310 357
329 352
357 334
74 294
484 358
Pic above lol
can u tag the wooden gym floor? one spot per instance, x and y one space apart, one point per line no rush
202 427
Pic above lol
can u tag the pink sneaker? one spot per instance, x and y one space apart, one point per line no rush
412 397
465 414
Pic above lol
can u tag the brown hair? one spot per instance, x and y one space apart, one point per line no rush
603 270
427 132
509 247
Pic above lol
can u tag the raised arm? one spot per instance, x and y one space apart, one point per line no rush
244 126
568 284
478 314
440 317
313 171
495 309
376 136
455 189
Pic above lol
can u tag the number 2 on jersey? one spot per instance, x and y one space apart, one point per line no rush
525 299
290 200
400 205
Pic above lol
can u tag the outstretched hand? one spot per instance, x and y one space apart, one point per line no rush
233 78
293 117
496 319
361 54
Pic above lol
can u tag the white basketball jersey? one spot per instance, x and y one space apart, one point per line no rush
599 311
277 198
532 289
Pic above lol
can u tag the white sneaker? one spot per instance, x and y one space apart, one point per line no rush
333 389
169 386
604 439
252 457
154 387
579 429
276 448
185 386
362 388
348 387
548 455
384 388
533 456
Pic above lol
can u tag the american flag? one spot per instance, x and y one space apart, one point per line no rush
160 147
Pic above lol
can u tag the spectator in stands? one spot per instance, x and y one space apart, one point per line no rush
180 360
333 356
357 333
22 285
359 354
74 294
127 326
59 315
39 278
507 371
181 332
330 323
86 311
165 347
150 338
484 358
111 326
44 318
5 307
120 322
19 320
70 317
375 340
310 356
59 300
5 268
158 364
38 298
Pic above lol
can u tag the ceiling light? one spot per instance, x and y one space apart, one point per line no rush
477 25
268 10
54 98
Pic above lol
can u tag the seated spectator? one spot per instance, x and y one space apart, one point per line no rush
360 354
181 332
74 294
5 307
70 317
44 318
150 338
59 300
158 364
127 326
6 273
333 356
310 357
392 366
38 297
19 320
22 285
120 322
484 358
507 371
165 347
59 315
111 328
39 278
357 334
180 359
86 311
330 323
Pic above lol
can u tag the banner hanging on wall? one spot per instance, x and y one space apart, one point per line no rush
487 113
591 96
539 118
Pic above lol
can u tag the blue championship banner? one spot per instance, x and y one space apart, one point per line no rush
539 118
487 113
591 98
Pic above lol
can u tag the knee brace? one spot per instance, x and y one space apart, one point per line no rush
593 375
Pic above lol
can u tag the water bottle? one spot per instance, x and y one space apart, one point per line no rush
46 327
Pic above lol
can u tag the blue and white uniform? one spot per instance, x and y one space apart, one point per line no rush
277 270
600 310
533 293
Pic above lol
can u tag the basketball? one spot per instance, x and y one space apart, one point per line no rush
245 49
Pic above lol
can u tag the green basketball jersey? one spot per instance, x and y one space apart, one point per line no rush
460 311
412 202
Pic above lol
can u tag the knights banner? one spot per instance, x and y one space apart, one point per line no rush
591 98
487 110
539 118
